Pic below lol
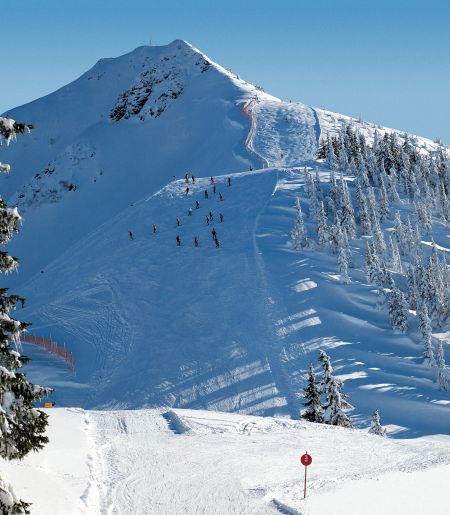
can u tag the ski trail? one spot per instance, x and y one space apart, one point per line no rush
247 110
92 494
274 312
147 468
284 134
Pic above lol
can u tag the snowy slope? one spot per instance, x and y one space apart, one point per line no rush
192 462
80 150
230 329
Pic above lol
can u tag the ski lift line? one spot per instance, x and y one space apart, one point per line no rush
49 345
249 139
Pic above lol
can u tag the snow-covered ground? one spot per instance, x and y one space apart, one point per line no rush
229 329
167 462
150 324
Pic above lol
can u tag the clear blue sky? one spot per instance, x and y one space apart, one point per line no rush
386 59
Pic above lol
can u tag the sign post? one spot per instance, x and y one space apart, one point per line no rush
305 460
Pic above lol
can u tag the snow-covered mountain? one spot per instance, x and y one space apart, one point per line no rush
232 328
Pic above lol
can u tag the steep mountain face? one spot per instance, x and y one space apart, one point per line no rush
123 129
230 326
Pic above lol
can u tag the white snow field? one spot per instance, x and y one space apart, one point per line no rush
231 329
168 462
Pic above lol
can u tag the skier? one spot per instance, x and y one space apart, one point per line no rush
154 229
214 189
196 242
130 234
178 241
214 234
212 180
190 212
187 190
197 204
229 181
211 216
221 217
220 197
193 179
206 193
186 178
178 222
207 220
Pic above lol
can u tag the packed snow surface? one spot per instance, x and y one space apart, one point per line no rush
168 462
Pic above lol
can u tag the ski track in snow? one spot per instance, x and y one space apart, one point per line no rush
136 462
285 135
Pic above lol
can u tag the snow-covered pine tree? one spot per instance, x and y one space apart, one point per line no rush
373 265
412 287
343 255
322 226
376 427
331 156
426 335
325 362
299 236
442 376
395 262
22 426
363 211
397 310
313 412
399 233
347 213
335 404
392 186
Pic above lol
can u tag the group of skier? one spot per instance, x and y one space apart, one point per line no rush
209 217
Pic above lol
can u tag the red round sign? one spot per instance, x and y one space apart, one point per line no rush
306 459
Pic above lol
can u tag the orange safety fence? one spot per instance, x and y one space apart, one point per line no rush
49 345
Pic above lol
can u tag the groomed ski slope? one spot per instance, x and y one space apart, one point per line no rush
231 328
167 462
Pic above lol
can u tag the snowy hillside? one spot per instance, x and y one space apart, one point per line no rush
232 328
170 462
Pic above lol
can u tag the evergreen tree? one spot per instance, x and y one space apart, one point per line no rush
426 335
322 226
343 251
299 237
384 200
376 428
373 265
314 412
347 214
442 377
325 362
397 310
395 262
22 426
363 211
412 287
335 404
399 233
